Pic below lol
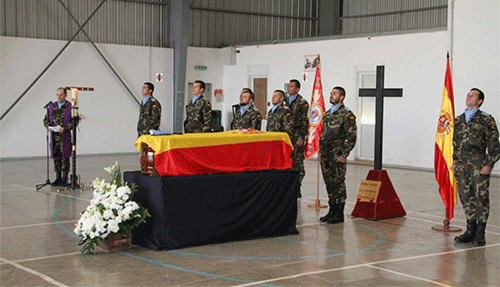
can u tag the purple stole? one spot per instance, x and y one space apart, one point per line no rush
66 134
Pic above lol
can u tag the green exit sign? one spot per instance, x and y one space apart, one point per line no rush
201 68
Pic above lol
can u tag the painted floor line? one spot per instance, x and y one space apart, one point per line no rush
36 273
430 221
460 220
408 275
52 192
36 224
363 265
45 257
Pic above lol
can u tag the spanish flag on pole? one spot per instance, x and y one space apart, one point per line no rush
316 112
443 159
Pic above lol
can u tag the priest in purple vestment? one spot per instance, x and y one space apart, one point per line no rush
58 122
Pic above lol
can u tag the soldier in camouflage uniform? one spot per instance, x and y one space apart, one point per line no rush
198 111
279 118
248 116
300 114
150 112
59 114
338 138
476 149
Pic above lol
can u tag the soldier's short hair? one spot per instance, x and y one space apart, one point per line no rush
150 86
63 89
481 94
341 90
282 93
297 83
202 84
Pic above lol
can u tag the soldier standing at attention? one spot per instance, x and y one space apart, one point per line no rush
338 138
279 118
198 111
58 118
475 150
150 112
300 109
248 117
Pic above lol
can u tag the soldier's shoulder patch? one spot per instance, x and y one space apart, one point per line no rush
259 116
154 106
288 114
209 104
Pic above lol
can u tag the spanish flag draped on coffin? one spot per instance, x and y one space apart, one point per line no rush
224 152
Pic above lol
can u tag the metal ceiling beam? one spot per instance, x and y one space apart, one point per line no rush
251 13
53 60
395 12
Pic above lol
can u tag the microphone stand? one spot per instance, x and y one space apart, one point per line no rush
47 182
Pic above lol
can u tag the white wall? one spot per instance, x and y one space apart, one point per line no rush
109 113
414 62
212 59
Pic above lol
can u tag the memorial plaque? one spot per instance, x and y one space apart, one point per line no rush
368 190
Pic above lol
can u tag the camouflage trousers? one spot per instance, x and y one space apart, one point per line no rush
61 164
473 190
334 177
298 161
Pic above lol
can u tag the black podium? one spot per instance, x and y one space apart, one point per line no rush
204 209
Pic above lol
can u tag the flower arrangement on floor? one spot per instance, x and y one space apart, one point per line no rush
111 211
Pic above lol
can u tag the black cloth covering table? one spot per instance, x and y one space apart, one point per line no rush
203 209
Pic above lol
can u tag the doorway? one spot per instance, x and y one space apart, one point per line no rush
366 80
260 91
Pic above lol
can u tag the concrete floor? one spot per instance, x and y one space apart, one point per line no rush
38 247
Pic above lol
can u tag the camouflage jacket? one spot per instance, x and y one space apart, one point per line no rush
58 117
198 116
338 135
149 116
280 120
300 116
472 139
251 119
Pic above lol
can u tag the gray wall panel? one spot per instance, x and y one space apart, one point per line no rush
363 16
141 22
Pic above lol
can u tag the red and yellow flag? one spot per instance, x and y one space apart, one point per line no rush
316 112
443 156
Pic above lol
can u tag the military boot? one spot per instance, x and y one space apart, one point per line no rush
338 216
479 239
58 180
64 180
469 234
331 212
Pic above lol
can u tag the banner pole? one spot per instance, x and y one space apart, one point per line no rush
317 204
446 225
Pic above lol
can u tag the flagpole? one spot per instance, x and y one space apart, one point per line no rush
317 203
316 112
446 222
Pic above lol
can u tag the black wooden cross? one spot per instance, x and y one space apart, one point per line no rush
379 93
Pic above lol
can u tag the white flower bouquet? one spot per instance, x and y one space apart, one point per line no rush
110 211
